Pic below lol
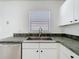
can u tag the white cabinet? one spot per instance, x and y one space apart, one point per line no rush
30 54
42 51
62 53
65 53
30 51
48 54
76 11
46 51
66 12
69 12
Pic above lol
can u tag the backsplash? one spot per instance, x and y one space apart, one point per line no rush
47 34
37 34
71 36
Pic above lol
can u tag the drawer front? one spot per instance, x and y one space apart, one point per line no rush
48 45
30 45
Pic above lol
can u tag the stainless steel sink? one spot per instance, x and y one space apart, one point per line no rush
39 38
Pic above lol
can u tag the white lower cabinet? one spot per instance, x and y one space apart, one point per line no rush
30 54
46 51
65 53
48 54
40 52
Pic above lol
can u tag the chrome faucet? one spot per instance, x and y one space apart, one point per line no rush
40 31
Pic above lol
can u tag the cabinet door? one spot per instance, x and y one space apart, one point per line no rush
66 12
65 53
76 11
30 54
48 54
62 54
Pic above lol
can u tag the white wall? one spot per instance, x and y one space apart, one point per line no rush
72 29
16 13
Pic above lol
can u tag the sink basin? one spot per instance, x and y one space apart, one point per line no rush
39 38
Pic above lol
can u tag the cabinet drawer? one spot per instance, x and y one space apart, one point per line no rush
48 45
30 45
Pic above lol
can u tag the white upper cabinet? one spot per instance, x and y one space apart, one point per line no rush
69 12
76 11
66 12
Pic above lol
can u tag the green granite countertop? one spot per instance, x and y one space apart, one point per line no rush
72 44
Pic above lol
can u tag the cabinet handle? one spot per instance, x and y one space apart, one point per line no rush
75 19
41 50
72 57
71 21
37 51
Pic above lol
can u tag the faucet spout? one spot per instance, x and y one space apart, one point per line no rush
40 32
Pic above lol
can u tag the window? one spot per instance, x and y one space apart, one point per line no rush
39 19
